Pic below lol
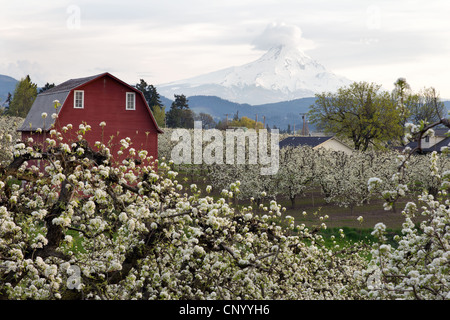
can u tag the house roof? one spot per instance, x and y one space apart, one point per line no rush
44 102
438 132
303 141
437 147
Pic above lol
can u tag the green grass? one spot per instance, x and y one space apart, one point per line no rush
354 235
12 181
77 243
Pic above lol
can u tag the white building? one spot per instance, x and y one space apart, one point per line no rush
329 143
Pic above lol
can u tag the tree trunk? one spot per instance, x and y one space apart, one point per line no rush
292 202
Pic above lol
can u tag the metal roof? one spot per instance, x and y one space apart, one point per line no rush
44 102
70 84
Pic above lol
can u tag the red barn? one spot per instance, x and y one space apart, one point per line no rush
91 101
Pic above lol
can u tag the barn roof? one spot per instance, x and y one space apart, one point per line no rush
71 84
44 102
303 141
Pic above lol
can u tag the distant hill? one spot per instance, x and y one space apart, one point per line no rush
7 84
280 114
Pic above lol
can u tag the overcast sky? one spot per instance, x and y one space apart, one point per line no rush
163 41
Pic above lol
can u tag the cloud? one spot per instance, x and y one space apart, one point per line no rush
277 34
21 68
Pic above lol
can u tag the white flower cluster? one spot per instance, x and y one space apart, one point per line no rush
124 231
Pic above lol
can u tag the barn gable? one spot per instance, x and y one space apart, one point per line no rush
44 103
104 98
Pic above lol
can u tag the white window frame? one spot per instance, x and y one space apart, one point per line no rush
127 101
75 99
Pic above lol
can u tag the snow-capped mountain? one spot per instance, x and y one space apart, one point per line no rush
283 73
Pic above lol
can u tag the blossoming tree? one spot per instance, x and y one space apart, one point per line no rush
88 227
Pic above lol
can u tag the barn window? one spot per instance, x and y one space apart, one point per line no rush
78 102
131 101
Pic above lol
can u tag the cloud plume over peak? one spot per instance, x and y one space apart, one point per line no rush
276 34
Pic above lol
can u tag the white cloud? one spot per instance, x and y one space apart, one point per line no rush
276 34
21 68
171 40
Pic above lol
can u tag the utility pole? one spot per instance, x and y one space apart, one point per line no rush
256 122
305 130
226 114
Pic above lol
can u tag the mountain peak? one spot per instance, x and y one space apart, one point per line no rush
282 51
282 73
290 54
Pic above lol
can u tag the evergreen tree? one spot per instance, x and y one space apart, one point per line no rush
8 99
5 105
179 115
150 94
181 102
23 98
46 87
